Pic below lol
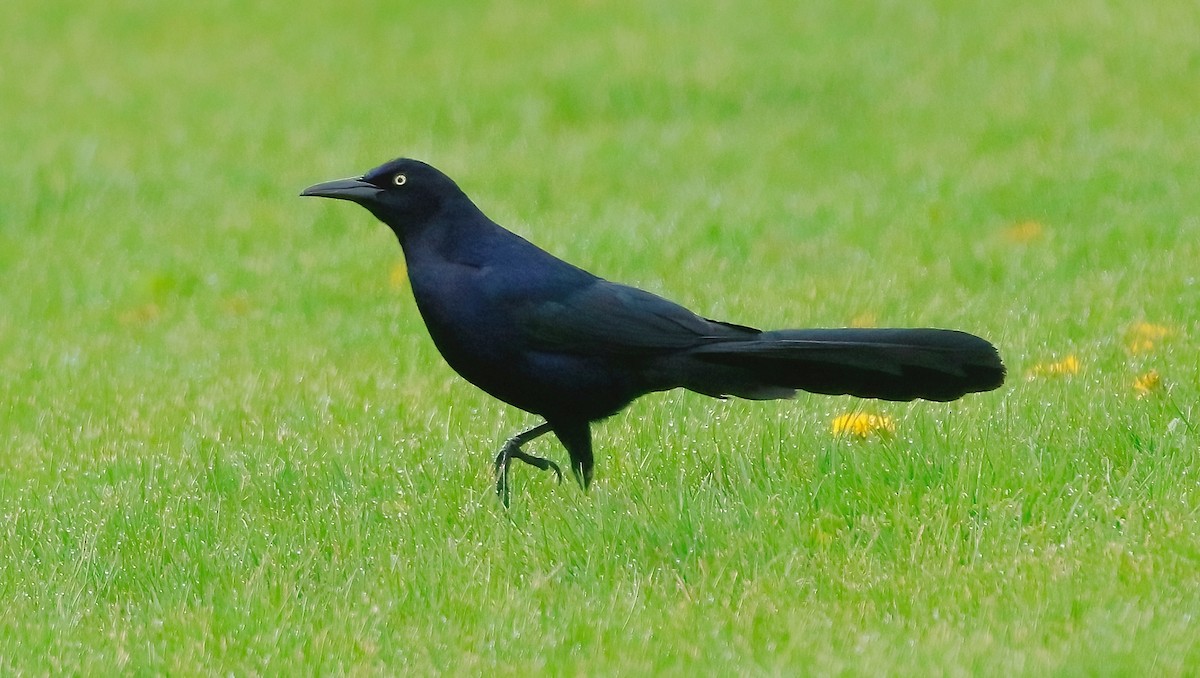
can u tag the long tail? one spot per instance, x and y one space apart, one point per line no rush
889 364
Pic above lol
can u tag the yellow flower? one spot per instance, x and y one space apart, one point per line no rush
1024 232
1065 367
238 304
1142 337
862 425
864 320
1147 383
398 276
141 315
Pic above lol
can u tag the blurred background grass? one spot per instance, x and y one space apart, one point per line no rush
229 445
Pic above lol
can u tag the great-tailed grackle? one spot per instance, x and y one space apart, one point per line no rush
559 342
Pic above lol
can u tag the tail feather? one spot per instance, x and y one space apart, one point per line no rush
888 364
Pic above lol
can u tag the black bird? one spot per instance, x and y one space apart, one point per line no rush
554 340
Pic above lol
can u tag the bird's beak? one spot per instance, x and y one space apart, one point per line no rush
354 190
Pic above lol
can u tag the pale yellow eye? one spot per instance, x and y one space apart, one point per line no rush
399 180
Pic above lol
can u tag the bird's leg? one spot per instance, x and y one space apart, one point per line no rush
577 438
512 450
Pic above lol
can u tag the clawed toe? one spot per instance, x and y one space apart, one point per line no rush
539 462
512 450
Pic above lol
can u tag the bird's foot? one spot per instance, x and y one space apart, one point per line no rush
510 451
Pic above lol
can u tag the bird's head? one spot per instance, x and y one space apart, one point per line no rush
402 193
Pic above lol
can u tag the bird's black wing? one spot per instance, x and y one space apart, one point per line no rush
612 319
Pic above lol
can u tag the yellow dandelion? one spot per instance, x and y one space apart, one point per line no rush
1065 367
398 276
238 304
1143 337
1024 232
1147 383
864 320
862 424
141 315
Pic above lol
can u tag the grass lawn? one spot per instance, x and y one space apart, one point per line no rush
227 445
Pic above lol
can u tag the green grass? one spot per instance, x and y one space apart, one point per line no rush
228 446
